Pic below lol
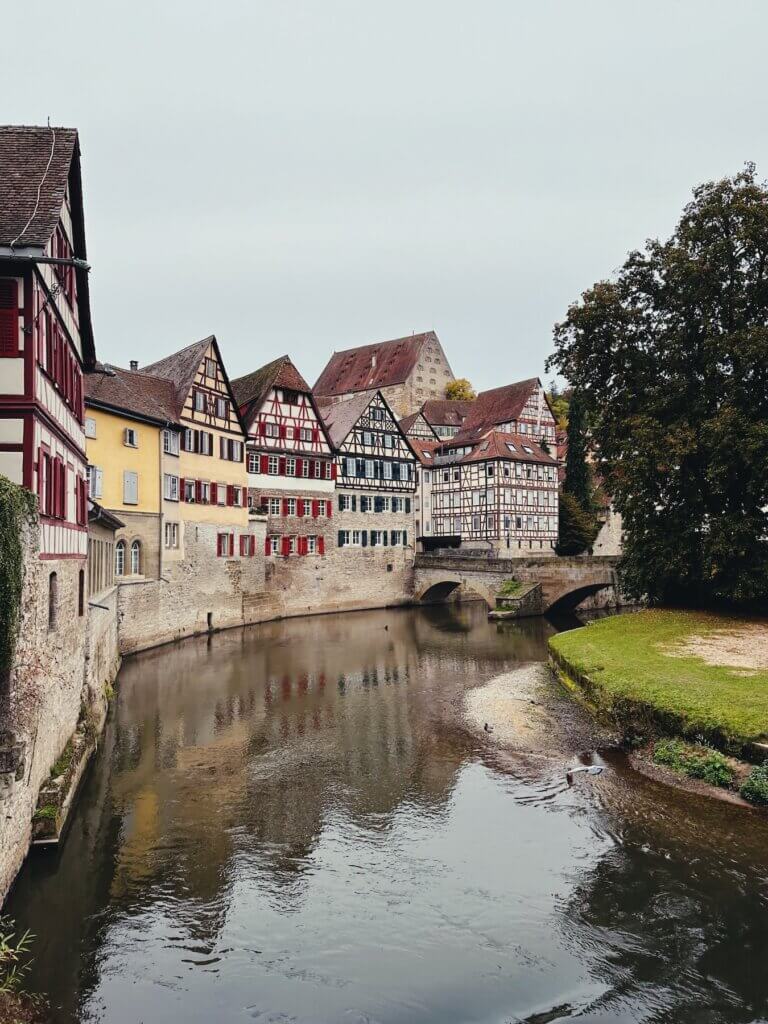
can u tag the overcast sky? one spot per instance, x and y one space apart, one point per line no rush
307 176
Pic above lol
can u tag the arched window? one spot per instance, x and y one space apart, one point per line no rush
120 558
53 600
135 558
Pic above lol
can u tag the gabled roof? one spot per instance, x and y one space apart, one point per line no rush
446 412
25 152
500 405
251 390
131 393
372 366
340 417
44 160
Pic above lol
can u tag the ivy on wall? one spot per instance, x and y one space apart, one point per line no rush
16 506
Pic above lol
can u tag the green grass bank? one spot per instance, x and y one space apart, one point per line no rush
657 672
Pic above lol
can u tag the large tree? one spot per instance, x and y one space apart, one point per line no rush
671 361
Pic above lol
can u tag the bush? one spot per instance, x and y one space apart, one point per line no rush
755 787
697 762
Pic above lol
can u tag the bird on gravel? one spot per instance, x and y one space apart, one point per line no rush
488 728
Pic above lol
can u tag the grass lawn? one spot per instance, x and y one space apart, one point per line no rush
631 670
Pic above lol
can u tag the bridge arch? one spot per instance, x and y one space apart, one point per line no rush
569 598
439 590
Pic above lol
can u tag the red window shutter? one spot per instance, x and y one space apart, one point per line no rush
9 317
300 507
315 435
333 471
219 545
281 430
182 489
198 491
302 545
321 545
315 509
262 428
267 546
329 509
231 544
214 494
297 433
285 546
49 484
281 466
285 506
264 463
311 469
299 467
242 544
230 495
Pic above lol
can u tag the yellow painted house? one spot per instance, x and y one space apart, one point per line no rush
127 418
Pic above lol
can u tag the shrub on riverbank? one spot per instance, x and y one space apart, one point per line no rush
694 761
635 667
755 787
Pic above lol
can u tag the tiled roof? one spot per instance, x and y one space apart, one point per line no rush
251 390
340 417
24 155
407 422
446 412
180 369
131 392
372 366
499 405
98 514
424 449
497 444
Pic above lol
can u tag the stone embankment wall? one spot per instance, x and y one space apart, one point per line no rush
102 650
202 592
41 700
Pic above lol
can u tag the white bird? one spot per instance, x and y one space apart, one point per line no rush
590 769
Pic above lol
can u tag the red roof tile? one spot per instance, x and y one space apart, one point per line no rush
251 389
498 444
372 366
132 393
500 405
424 450
446 412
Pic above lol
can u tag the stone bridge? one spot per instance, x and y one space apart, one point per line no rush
564 582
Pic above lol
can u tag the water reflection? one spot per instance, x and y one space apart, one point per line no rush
288 823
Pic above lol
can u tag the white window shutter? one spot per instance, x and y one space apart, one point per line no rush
130 488
98 482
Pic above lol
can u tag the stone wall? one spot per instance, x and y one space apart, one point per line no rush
203 592
102 651
144 527
40 705
609 539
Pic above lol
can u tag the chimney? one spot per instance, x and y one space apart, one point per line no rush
134 364
373 361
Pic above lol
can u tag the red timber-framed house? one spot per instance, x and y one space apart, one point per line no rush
46 343
375 475
291 470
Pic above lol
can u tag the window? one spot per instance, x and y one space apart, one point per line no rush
305 464
204 492
170 442
274 545
135 557
129 438
273 465
53 601
190 436
311 545
345 502
377 414
343 538
271 430
290 466
291 545
199 401
378 538
321 509
222 408
328 470
426 476
290 397
290 506
387 466
171 535
527 449
305 433
366 503
237 496
206 443
9 317
356 534
274 506
350 467
367 437
120 558
95 481
225 545
210 368
130 487
170 487
90 426
253 462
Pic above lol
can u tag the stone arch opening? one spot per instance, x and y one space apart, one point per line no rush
437 593
572 598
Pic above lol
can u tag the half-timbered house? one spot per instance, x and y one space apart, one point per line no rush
415 426
375 473
422 501
407 371
520 408
291 470
496 490
446 416
46 343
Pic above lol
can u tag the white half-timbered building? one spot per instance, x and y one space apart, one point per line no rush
520 408
291 470
497 491
46 340
375 473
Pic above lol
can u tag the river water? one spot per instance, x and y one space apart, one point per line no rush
291 823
